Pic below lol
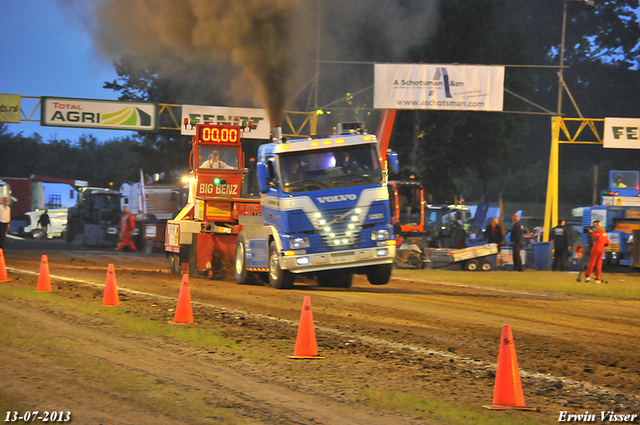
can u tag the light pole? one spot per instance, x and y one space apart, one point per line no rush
551 207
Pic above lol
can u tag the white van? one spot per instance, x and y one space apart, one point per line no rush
56 229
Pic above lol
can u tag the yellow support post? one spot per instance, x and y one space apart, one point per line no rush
551 207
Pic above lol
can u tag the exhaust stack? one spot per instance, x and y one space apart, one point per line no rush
276 134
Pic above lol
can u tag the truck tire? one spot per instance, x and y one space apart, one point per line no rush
240 262
379 275
278 278
342 279
471 265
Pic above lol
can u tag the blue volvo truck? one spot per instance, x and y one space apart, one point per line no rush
325 211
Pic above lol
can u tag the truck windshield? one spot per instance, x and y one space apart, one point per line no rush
217 157
324 169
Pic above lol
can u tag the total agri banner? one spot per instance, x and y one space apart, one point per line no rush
105 114
622 133
438 87
10 108
258 125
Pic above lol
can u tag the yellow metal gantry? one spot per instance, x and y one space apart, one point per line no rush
558 128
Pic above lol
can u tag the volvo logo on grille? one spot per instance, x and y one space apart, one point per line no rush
338 198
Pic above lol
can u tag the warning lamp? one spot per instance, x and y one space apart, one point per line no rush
412 177
218 181
193 121
186 121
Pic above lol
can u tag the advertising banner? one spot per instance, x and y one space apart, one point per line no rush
438 87
622 133
259 127
105 114
10 108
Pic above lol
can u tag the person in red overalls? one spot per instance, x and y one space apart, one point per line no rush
127 224
600 240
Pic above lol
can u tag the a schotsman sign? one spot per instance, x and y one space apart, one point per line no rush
440 87
106 114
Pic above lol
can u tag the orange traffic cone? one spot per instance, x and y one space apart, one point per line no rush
44 280
184 314
306 346
4 277
507 394
111 297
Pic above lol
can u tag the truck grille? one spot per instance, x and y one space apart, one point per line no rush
344 231
340 235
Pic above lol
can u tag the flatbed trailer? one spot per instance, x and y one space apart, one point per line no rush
471 258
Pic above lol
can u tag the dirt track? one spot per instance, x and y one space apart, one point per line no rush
416 336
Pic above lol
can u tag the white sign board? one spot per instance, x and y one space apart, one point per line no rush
222 115
108 114
438 87
622 133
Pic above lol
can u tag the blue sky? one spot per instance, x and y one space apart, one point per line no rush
45 52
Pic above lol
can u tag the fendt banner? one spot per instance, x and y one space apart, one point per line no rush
622 133
105 114
257 120
10 108
438 87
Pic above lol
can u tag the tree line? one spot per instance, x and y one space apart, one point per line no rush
451 153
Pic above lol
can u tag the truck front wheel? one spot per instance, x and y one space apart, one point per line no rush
379 275
174 263
278 278
240 265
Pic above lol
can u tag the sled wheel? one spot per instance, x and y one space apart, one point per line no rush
472 265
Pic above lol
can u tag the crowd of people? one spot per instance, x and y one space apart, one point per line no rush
588 257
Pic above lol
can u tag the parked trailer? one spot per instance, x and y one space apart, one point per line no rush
472 258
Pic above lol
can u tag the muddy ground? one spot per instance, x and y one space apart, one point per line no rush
389 350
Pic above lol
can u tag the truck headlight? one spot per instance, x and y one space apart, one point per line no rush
382 252
297 243
381 234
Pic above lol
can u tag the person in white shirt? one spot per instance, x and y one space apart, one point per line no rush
5 220
214 161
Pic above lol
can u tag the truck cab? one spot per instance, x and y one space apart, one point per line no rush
406 200
325 212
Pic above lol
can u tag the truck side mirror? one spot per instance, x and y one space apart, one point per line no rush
271 174
393 164
263 178
266 175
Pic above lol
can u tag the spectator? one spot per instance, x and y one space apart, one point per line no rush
44 222
456 231
127 225
517 241
493 234
600 240
5 220
561 245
